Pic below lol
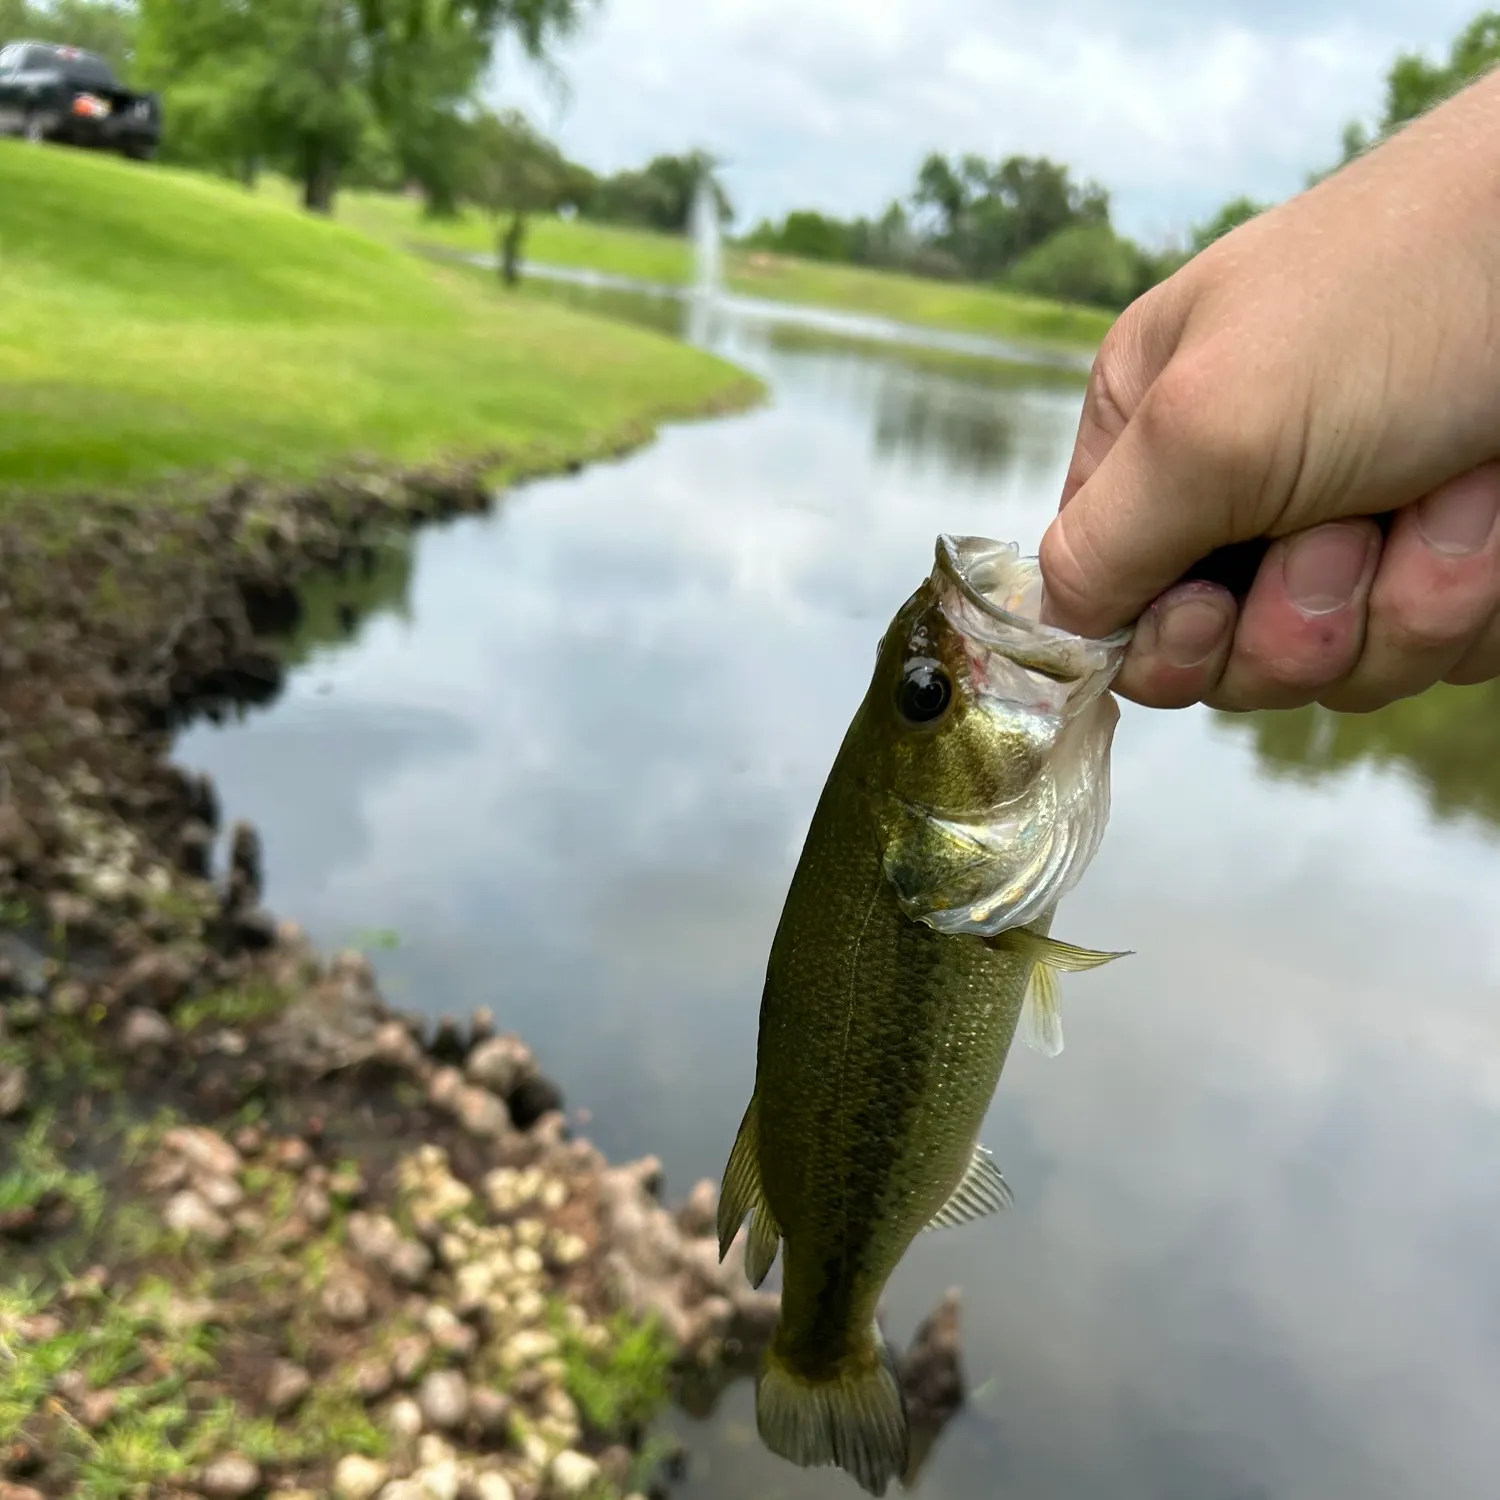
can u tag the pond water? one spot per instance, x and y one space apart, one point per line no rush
568 757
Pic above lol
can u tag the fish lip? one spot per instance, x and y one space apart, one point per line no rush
1048 649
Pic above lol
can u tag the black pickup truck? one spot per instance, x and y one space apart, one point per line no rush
52 93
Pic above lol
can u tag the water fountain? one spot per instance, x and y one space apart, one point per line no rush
708 247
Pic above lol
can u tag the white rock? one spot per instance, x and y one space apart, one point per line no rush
359 1478
492 1486
573 1473
404 1419
444 1399
440 1481
526 1347
186 1213
435 1450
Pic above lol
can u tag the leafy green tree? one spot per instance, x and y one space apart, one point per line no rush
107 27
1234 213
1082 262
1415 84
659 195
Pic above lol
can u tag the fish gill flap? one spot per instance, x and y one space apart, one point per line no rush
982 1191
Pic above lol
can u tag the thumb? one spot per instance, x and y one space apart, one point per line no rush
1139 503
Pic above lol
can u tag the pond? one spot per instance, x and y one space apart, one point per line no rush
567 757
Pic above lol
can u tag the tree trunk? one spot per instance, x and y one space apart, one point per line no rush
510 250
320 177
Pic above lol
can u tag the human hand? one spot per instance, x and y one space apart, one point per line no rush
1334 360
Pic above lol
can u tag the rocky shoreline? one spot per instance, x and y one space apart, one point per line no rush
259 1234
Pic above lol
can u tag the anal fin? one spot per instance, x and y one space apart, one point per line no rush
982 1191
742 1195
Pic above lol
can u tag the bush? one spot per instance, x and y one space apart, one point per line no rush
1087 263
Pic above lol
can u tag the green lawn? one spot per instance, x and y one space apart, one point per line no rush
157 322
967 307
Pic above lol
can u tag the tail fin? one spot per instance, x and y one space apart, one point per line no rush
856 1420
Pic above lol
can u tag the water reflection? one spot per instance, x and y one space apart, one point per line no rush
1447 740
1257 1214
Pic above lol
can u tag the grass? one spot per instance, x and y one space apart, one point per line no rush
964 306
159 322
626 1384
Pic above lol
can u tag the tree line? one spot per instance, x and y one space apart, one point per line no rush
387 94
1023 221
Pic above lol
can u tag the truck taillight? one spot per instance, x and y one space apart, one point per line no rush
91 106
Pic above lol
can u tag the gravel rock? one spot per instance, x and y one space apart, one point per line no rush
188 1214
491 1486
444 1090
573 1473
490 1412
204 1150
449 1333
481 1113
374 1379
439 1481
223 1194
96 1408
404 1418
501 1064
145 1030
230 1478
359 1478
408 1355
286 1386
159 977
444 1399
396 1048
697 1217
15 1090
345 1301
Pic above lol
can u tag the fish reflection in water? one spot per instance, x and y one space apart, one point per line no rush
969 795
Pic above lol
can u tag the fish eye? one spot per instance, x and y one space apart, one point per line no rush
925 693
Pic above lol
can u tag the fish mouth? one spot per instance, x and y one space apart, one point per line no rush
992 596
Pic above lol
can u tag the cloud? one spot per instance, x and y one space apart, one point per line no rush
1173 106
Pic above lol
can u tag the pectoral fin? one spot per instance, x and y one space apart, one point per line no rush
982 1191
743 1195
1041 1016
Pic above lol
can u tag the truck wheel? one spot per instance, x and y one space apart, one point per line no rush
32 129
139 151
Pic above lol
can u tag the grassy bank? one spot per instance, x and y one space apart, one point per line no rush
157 321
965 307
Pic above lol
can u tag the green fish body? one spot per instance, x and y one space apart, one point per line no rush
968 793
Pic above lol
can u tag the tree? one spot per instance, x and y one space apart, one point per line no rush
660 195
1234 213
509 169
107 27
1415 84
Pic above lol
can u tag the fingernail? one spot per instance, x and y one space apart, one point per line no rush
1457 519
1189 631
1323 567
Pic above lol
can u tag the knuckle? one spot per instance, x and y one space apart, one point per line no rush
1418 621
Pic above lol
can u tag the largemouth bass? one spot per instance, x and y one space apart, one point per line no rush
969 794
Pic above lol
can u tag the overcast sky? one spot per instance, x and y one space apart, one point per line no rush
1174 105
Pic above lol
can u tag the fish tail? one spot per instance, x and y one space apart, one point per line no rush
856 1419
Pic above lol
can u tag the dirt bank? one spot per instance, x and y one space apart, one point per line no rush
258 1233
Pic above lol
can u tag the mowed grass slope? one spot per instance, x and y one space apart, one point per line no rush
966 306
156 321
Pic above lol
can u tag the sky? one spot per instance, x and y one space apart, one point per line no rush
1173 105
